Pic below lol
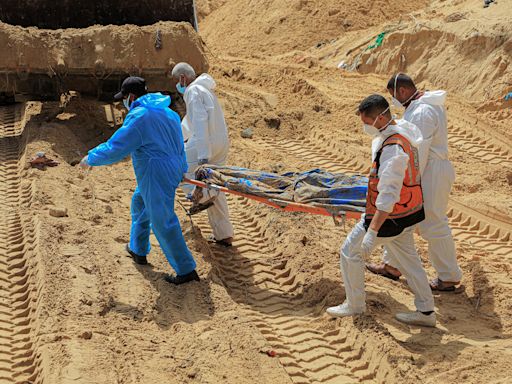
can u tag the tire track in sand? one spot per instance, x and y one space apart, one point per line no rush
12 120
478 147
486 231
271 296
20 361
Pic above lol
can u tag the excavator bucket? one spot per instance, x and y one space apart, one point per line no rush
90 46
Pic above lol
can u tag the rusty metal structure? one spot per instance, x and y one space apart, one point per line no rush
90 46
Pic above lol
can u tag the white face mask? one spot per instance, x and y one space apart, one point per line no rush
371 130
397 102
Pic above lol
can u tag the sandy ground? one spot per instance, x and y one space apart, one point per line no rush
98 318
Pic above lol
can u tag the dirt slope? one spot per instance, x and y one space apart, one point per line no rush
458 46
265 28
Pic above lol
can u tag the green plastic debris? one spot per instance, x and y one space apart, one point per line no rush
378 42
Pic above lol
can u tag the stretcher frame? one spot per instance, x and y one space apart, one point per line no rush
283 205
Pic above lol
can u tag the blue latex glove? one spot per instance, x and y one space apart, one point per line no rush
508 96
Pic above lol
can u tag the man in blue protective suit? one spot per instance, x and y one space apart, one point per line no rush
151 134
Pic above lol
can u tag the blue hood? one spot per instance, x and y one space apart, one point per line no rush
153 101
151 133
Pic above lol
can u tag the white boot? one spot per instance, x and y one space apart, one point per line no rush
343 310
417 318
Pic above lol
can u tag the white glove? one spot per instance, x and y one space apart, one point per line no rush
369 243
84 164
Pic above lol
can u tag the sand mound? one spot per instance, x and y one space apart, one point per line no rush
469 52
276 27
476 65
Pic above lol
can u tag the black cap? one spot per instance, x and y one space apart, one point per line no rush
132 84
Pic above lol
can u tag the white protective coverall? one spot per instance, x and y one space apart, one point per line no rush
393 164
206 137
428 113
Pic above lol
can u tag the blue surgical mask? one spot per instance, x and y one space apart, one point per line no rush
126 103
180 88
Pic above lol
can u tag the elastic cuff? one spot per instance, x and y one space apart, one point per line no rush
384 208
425 309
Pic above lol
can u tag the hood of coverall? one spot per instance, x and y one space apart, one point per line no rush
205 80
433 98
152 101
410 131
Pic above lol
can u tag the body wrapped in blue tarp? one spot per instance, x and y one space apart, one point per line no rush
332 191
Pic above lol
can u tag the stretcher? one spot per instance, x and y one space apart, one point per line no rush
287 206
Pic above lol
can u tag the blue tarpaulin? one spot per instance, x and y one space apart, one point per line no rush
332 191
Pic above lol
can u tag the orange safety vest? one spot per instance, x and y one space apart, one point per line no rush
408 210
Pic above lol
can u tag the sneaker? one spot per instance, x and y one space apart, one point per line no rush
182 279
141 260
343 310
417 318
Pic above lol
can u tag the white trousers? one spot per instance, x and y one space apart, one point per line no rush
408 261
437 181
218 213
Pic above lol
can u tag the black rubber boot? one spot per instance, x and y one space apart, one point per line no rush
141 260
182 279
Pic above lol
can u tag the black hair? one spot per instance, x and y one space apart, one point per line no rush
374 105
402 80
